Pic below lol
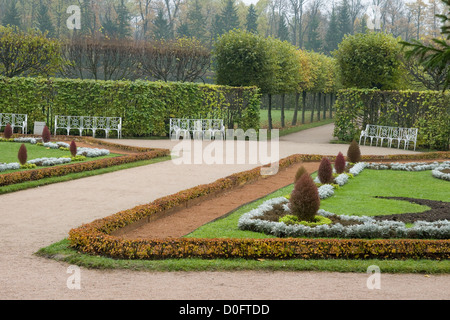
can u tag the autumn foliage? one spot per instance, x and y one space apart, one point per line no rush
8 132
22 155
46 134
299 173
73 148
339 163
325 172
304 201
353 152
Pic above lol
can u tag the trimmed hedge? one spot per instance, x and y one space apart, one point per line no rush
145 107
37 174
96 237
429 111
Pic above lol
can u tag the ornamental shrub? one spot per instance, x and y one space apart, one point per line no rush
325 172
73 148
22 155
45 135
304 201
339 163
370 60
8 132
353 152
299 173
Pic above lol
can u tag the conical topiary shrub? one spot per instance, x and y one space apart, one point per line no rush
301 171
73 148
8 132
22 155
325 172
46 135
353 152
304 201
339 163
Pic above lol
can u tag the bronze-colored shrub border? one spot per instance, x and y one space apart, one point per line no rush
57 171
96 237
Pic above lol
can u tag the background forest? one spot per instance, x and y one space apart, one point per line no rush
316 25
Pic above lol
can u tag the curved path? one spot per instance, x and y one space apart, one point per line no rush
35 218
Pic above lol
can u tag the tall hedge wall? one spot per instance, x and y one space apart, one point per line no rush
429 111
144 106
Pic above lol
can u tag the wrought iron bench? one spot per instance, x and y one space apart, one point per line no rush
197 128
81 123
15 121
389 134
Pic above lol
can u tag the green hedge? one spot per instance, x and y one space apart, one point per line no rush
427 110
145 107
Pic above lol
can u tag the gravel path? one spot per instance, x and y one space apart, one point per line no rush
35 218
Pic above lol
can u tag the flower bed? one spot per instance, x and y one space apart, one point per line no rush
37 174
442 172
362 227
95 238
355 227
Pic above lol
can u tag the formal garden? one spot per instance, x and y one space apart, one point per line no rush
391 210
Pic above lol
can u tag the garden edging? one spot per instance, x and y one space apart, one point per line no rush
97 237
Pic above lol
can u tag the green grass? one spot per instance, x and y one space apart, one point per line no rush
61 252
411 184
9 151
73 176
357 197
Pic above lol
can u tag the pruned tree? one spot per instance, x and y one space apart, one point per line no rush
28 53
185 60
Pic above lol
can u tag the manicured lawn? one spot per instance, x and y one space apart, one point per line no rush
412 184
9 151
79 175
357 197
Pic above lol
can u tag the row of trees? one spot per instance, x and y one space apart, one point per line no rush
244 58
316 25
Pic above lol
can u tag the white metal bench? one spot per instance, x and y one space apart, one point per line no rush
389 134
197 128
15 121
81 123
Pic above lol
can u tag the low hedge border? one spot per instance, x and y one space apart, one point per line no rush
95 238
37 174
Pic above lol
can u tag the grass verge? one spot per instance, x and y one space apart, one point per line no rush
73 176
61 252
226 227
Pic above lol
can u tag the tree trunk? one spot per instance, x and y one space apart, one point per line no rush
283 98
270 111
319 102
294 119
303 106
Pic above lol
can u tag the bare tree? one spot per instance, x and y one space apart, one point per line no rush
184 60
296 22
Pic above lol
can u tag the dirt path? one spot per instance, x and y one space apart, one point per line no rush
35 218
187 220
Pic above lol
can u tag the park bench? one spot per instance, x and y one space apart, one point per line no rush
15 120
197 128
380 134
81 123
